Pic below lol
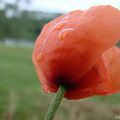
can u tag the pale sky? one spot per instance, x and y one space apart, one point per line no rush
64 5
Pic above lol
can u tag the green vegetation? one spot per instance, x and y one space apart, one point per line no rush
21 96
21 24
20 27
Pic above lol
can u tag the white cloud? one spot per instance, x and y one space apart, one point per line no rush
64 5
69 5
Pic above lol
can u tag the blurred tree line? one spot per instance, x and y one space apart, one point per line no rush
19 25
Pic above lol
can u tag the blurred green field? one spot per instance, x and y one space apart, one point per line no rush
21 97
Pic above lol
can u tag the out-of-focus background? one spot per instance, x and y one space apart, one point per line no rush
21 96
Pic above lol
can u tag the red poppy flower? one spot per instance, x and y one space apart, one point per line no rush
77 51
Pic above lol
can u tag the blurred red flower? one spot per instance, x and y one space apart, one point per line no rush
78 51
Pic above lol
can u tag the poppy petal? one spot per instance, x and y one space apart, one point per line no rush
112 57
87 84
105 87
73 44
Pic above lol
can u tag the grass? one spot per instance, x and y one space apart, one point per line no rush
21 97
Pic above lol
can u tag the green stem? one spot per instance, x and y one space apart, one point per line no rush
56 102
